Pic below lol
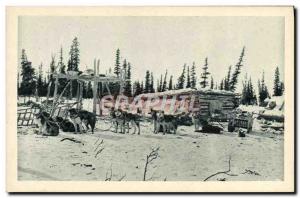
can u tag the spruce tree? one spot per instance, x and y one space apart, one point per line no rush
248 93
244 96
125 66
181 79
161 84
73 63
62 70
142 87
61 65
227 79
52 67
117 69
28 82
237 71
40 83
23 58
204 74
211 83
128 86
222 85
278 86
157 86
115 87
188 78
52 71
281 87
147 82
152 90
262 90
193 76
251 94
170 83
137 88
164 84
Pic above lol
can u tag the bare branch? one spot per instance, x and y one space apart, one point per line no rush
222 172
71 139
149 158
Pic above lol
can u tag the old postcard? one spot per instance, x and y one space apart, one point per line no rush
150 99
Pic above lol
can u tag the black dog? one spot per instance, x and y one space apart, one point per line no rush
88 118
211 129
65 125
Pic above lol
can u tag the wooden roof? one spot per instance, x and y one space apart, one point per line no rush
190 91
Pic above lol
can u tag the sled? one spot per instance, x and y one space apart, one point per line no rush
237 122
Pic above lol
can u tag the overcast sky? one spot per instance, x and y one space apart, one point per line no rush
160 43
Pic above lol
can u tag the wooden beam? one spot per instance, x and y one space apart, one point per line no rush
79 99
98 65
107 87
48 92
54 97
62 93
95 88
55 88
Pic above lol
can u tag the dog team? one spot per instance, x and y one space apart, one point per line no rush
77 121
80 121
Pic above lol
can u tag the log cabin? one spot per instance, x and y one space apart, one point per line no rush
206 100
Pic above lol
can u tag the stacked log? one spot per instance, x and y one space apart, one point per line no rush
206 100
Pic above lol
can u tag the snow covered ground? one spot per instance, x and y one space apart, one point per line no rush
186 156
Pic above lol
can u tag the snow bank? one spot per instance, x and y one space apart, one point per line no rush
251 108
274 109
273 113
275 103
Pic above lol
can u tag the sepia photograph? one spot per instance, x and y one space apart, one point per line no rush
194 99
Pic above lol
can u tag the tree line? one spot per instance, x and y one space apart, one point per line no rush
36 83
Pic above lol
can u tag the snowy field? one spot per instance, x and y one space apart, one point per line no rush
186 156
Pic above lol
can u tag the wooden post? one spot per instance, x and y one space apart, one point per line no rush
98 90
55 89
79 98
77 94
95 89
107 87
98 64
54 96
48 91
81 94
62 93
